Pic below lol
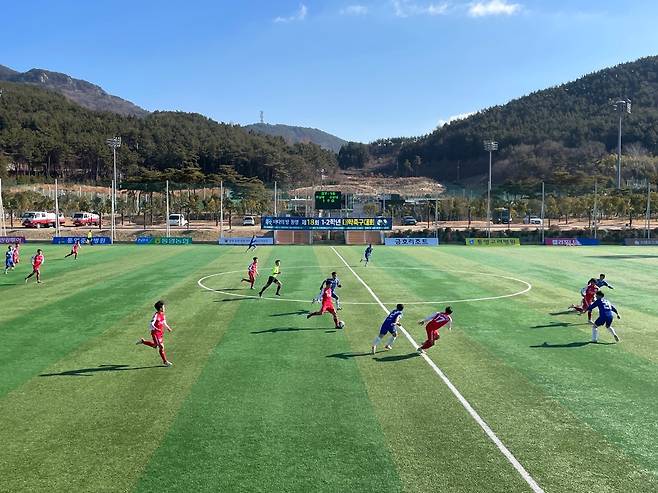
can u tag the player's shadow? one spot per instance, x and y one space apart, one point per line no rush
88 372
288 329
553 325
397 357
349 355
298 312
565 312
576 344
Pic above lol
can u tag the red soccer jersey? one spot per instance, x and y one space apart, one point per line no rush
326 298
76 246
38 260
158 322
253 268
438 320
590 291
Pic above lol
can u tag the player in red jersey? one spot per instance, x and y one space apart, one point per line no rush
327 305
74 250
252 272
158 324
17 255
37 262
432 325
588 292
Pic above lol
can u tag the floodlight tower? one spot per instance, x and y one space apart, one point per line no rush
114 143
621 105
489 146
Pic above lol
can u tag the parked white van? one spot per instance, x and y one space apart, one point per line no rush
177 220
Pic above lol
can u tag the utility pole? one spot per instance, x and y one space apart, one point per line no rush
621 106
115 143
490 146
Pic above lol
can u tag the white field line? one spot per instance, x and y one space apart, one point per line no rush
489 432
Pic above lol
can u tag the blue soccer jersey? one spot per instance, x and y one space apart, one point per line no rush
389 322
601 283
368 252
9 258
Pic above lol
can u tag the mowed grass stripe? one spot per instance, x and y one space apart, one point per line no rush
35 340
436 444
275 408
94 418
584 395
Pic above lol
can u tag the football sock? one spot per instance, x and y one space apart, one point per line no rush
162 354
376 341
612 330
390 342
595 333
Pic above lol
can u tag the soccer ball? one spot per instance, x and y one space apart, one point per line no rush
341 324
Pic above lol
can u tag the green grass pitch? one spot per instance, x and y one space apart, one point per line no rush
262 399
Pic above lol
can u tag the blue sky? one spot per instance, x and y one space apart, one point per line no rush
361 69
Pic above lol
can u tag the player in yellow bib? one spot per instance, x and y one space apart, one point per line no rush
273 279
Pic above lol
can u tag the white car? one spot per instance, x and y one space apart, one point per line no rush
535 220
248 221
177 220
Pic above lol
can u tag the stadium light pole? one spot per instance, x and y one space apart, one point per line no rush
489 146
543 201
648 210
621 106
114 143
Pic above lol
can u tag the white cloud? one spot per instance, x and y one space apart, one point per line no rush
300 15
354 10
493 7
407 8
461 116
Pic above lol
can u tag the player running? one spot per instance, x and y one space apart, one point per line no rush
432 325
17 255
158 324
602 283
588 293
606 310
9 259
37 262
366 255
390 326
74 250
335 283
276 272
252 272
327 305
252 243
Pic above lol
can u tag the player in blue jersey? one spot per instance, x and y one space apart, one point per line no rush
334 283
602 283
390 326
9 259
252 243
606 311
366 255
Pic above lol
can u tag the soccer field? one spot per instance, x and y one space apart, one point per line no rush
262 399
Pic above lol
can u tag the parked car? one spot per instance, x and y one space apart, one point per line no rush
409 221
248 221
38 219
177 220
532 220
86 219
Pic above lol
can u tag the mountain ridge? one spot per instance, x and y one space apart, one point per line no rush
296 134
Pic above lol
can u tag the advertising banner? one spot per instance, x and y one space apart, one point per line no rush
69 240
641 241
492 242
164 240
571 242
10 240
411 241
327 223
246 240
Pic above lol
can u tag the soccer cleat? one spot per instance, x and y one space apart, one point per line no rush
260 294
373 349
308 316
617 339
339 308
168 363
140 341
420 350
388 347
277 294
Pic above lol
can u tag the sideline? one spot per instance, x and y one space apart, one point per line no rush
489 432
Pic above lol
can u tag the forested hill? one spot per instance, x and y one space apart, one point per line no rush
79 91
556 134
294 135
42 133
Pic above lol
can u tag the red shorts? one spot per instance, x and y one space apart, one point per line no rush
157 337
328 308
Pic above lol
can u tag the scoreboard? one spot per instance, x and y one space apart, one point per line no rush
328 200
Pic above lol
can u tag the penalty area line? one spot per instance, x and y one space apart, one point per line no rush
478 419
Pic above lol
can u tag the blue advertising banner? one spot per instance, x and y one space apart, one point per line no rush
96 240
327 223
164 240
246 240
571 242
411 241
10 240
